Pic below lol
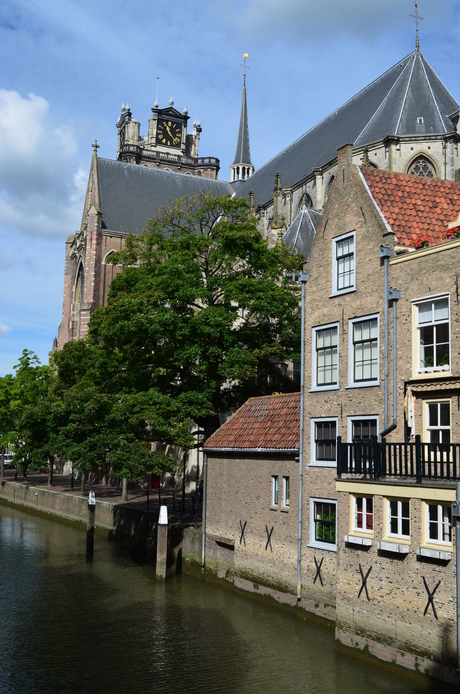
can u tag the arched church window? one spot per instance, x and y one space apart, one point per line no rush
421 166
79 284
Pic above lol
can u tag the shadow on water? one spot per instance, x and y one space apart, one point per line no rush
107 626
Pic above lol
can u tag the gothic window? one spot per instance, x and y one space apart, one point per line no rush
305 201
422 167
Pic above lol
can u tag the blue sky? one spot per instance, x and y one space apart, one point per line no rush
67 66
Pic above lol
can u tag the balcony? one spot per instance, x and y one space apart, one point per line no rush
373 459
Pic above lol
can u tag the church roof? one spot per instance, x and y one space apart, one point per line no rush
130 195
243 154
414 206
302 231
391 105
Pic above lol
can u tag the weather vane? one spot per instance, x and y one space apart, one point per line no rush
418 19
243 64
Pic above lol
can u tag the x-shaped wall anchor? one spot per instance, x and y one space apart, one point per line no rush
318 571
243 528
269 540
364 581
430 597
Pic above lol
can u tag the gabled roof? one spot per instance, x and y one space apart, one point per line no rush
414 206
391 105
271 423
302 231
243 154
130 194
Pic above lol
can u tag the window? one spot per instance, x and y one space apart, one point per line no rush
343 263
323 523
433 335
438 422
362 429
274 490
324 442
363 514
364 352
286 492
422 167
439 524
325 357
398 518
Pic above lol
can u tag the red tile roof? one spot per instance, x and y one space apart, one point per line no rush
269 422
414 207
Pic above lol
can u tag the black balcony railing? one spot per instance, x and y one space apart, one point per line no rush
375 459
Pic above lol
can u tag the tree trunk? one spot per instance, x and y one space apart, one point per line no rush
2 465
124 489
82 481
50 472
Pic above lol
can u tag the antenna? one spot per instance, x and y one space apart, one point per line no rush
155 105
243 64
418 19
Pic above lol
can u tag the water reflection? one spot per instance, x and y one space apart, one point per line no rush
71 626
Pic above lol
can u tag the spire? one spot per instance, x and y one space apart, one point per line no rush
242 166
418 19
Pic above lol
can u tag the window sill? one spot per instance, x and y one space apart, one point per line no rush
356 540
418 376
285 510
320 389
273 508
342 292
364 384
394 547
322 545
441 555
332 464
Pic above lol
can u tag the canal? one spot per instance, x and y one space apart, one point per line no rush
71 626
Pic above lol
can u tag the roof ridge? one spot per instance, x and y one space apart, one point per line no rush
405 95
433 96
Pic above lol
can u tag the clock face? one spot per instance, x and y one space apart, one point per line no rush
169 133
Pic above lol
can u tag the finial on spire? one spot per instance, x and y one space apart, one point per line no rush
95 146
418 19
243 64
155 105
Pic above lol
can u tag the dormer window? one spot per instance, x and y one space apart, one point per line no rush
420 120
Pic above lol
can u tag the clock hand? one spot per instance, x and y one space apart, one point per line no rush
169 132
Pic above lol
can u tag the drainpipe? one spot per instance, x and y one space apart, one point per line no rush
303 280
456 516
385 255
203 524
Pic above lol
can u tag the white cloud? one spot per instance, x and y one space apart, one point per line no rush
4 329
41 183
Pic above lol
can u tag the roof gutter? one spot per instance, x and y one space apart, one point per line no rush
253 450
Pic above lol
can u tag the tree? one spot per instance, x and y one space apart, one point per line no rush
203 312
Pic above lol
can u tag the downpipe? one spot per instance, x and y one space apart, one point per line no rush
391 296
303 280
203 522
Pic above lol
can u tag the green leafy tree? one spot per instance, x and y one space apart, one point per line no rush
203 312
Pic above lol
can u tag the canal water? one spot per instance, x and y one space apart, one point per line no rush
107 627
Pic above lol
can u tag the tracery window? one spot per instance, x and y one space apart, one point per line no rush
422 167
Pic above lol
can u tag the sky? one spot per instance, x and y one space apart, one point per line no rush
67 67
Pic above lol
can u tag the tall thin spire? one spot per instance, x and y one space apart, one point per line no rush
418 19
242 166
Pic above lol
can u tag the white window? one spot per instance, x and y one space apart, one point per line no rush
398 518
344 263
433 335
325 372
274 490
363 516
362 428
324 442
363 367
438 422
439 524
286 492
323 523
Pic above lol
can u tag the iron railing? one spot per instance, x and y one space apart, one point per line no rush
376 459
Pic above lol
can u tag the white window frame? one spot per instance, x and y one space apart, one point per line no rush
399 535
329 546
439 522
351 352
313 461
275 490
417 369
335 290
354 525
286 491
314 360
441 427
360 418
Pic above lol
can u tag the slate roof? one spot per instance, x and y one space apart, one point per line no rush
130 194
414 206
302 231
390 105
265 423
243 154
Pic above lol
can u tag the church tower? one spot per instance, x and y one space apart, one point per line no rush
242 167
